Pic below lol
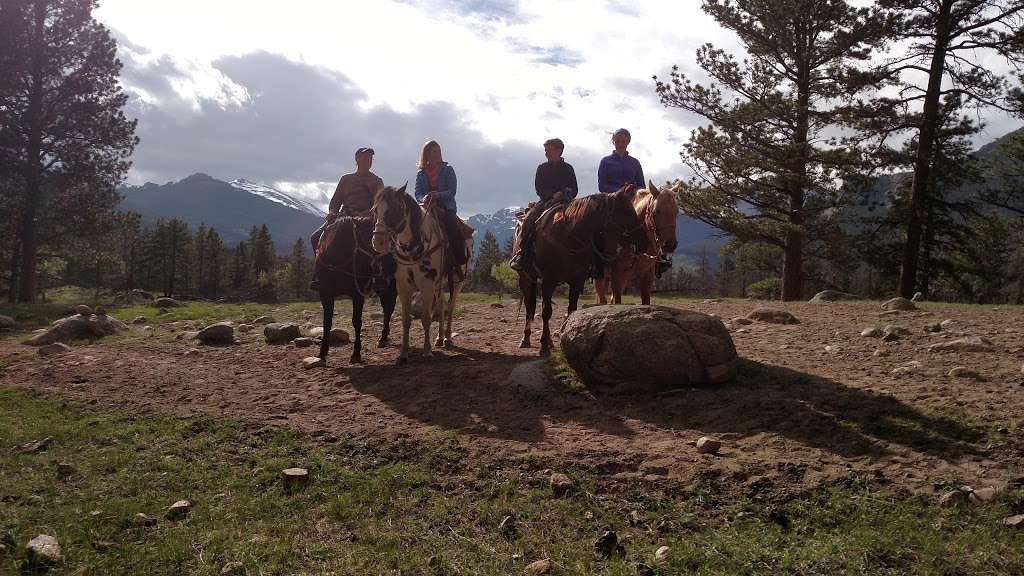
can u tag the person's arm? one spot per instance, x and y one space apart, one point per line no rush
639 180
449 192
420 190
573 188
538 184
603 177
338 199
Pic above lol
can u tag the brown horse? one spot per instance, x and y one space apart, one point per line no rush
658 210
568 237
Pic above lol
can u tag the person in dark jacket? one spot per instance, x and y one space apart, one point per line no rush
436 183
555 182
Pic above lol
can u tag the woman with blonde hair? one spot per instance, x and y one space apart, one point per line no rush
435 185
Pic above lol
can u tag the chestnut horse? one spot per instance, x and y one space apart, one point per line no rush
567 241
658 210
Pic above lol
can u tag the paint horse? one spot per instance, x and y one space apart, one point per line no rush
416 238
347 266
657 209
567 238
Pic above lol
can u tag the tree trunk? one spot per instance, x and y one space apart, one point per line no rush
926 256
925 144
793 264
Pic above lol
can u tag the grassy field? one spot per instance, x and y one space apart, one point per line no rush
427 509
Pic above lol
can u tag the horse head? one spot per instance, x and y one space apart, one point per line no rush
623 218
390 217
662 212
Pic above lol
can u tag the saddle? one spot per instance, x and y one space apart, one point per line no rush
382 267
439 211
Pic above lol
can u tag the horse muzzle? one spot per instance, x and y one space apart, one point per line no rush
381 243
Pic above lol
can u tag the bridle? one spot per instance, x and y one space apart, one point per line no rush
381 228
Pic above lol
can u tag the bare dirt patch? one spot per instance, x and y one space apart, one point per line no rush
813 401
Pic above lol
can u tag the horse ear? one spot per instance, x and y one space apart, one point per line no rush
653 189
628 192
402 189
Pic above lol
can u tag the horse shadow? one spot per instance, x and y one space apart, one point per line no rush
470 393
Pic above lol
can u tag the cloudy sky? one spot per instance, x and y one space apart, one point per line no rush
282 93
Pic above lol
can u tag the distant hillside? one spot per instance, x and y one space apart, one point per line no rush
232 208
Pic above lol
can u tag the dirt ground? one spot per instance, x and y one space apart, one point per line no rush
797 415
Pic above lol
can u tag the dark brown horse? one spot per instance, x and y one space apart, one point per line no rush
568 238
348 266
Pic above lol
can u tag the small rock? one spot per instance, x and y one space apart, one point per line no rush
917 297
773 316
43 549
192 352
35 446
302 342
661 555
967 373
219 333
264 320
895 329
879 353
83 310
945 323
278 333
968 344
55 349
140 320
245 328
1015 521
179 509
875 332
607 544
707 445
537 568
6 322
232 569
831 296
339 336
147 328
983 495
166 303
952 499
294 478
933 328
309 314
313 362
741 321
561 484
65 471
144 520
898 304
508 526
497 305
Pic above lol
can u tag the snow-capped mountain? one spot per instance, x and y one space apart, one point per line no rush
502 224
275 195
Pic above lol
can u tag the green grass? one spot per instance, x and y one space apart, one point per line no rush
389 509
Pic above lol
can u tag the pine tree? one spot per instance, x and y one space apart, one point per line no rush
299 272
241 273
490 254
766 166
64 131
215 266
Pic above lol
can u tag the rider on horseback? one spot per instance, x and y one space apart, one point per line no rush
555 182
352 197
435 189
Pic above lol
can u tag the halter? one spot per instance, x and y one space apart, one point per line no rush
381 228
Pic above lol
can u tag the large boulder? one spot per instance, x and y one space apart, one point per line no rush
166 303
831 296
647 348
6 323
898 304
219 333
280 333
78 327
773 316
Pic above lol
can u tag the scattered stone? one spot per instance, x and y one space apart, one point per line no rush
607 545
898 304
908 368
179 510
742 321
1015 521
140 320
219 333
890 337
879 352
232 569
946 323
661 555
6 323
983 495
192 352
875 332
561 484
43 550
245 328
917 297
953 498
539 567
66 471
773 316
83 310
78 327
707 445
712 300
681 348
55 349
147 328
280 333
933 328
895 329
309 314
302 342
339 336
507 527
144 520
967 373
313 362
294 479
497 305
968 344
166 303
264 320
831 296
35 446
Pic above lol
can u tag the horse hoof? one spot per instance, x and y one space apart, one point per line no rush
439 342
383 343
356 360
545 351
524 343
449 343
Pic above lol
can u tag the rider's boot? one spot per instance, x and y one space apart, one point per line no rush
314 282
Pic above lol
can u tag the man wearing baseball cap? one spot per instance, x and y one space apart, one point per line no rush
352 197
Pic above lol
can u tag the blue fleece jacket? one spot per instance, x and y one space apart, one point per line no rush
446 185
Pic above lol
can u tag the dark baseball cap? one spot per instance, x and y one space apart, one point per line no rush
361 150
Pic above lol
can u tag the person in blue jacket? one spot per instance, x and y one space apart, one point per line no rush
619 168
436 184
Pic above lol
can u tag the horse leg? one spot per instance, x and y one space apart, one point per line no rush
574 296
646 283
327 302
427 317
450 314
406 296
546 343
387 301
357 327
439 307
528 290
600 290
618 287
